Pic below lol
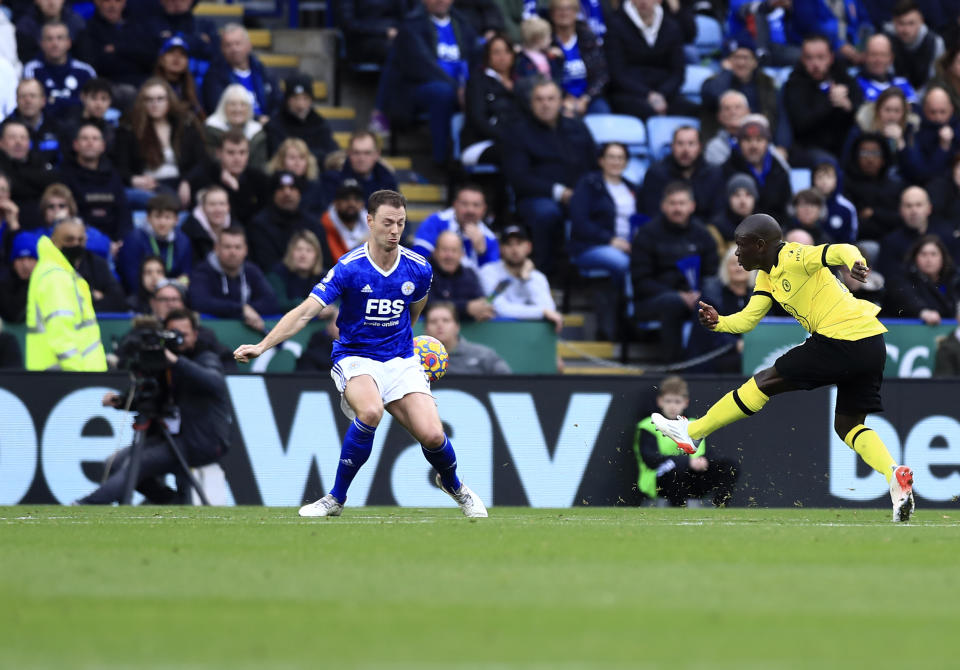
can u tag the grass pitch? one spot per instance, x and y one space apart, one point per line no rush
261 588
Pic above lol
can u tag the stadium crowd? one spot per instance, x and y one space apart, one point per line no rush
191 165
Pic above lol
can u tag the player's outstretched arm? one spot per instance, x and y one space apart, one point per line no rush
291 324
742 321
709 318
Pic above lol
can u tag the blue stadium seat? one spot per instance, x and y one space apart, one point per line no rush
709 35
456 127
693 79
618 128
636 169
778 74
800 178
660 132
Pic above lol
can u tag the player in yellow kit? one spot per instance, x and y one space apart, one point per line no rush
845 347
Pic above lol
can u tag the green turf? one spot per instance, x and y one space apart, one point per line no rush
409 588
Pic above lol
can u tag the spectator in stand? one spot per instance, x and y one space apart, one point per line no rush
483 16
27 172
118 49
270 230
44 129
733 107
915 47
345 221
455 282
927 287
752 155
537 58
150 272
465 218
685 162
514 12
294 156
466 357
672 258
30 25
937 140
173 66
176 18
585 74
914 224
363 165
300 270
545 155
161 238
98 189
646 61
515 287
820 100
842 224
666 472
108 295
235 112
298 119
13 287
742 197
770 23
58 202
809 214
61 76
246 186
945 196
238 65
370 26
9 219
96 97
209 217
871 187
845 23
948 75
432 54
491 104
160 148
890 116
228 286
877 73
947 362
742 75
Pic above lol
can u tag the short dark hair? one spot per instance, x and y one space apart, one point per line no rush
677 187
607 145
902 7
236 231
441 304
55 23
97 85
182 313
808 196
818 37
680 129
12 122
234 136
470 186
385 197
363 134
163 202
88 124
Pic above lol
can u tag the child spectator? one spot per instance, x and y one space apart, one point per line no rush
808 215
841 221
537 56
160 239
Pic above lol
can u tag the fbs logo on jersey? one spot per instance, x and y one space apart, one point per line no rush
383 309
366 289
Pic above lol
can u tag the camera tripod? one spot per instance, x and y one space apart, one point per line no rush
141 424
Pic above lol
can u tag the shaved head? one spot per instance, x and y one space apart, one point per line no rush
760 226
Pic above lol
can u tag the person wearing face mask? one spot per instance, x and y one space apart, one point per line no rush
62 329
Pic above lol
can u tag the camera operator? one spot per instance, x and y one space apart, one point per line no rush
200 427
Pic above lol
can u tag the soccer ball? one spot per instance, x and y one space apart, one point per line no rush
433 356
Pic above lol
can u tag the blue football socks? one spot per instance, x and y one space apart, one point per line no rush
444 461
357 445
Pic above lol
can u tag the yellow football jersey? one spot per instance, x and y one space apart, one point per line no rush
802 282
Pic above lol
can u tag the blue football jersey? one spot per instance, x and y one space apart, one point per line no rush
374 319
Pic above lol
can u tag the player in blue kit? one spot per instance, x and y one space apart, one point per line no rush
382 288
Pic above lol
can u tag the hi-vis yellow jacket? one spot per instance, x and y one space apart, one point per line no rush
62 330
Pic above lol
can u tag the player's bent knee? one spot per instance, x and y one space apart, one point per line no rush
370 414
433 439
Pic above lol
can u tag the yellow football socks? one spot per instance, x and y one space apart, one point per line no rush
871 449
743 402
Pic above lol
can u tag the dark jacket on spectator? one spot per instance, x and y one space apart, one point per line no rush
317 356
290 288
911 292
593 213
45 139
213 292
364 24
925 159
707 181
200 34
490 109
458 287
636 68
314 130
220 75
96 271
896 243
247 200
200 241
525 70
483 15
140 243
11 358
101 197
28 179
537 156
761 93
132 52
13 298
70 124
270 231
773 185
381 177
657 248
816 123
191 155
916 64
880 193
30 25
945 198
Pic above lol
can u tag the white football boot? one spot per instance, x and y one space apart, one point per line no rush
901 493
470 503
676 430
326 506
